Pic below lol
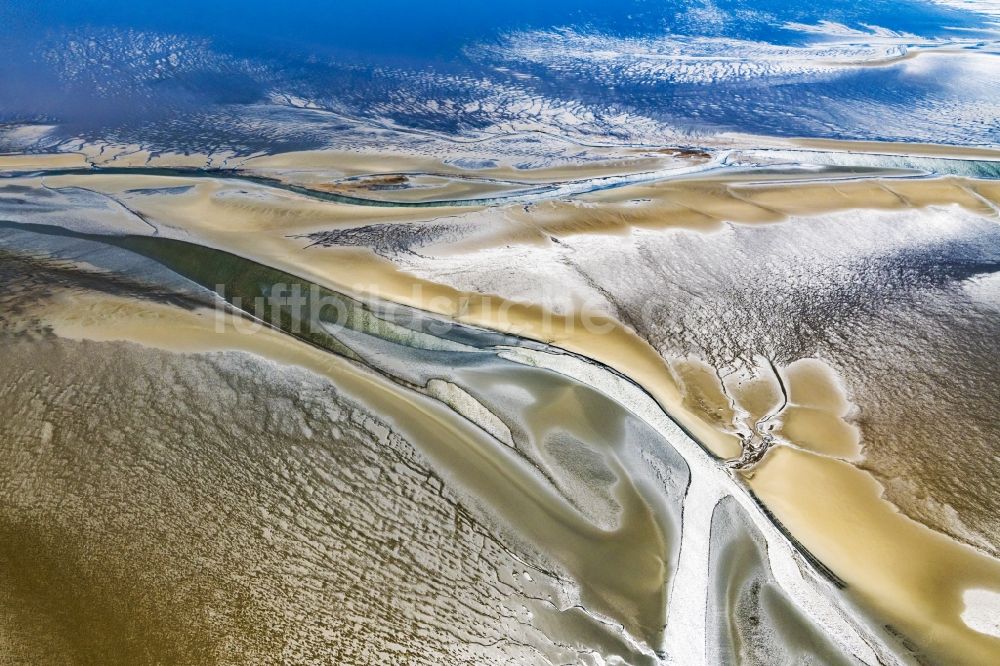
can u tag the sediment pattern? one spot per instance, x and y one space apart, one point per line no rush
390 483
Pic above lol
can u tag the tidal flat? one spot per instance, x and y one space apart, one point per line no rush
517 333
654 420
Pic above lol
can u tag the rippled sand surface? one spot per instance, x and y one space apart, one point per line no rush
716 414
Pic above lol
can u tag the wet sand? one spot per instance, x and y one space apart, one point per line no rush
914 577
552 413
889 148
21 162
620 161
620 570
907 573
818 412
221 508
266 225
738 140
911 575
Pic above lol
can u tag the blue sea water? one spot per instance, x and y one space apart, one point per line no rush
255 75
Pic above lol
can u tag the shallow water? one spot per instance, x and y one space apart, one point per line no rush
257 77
